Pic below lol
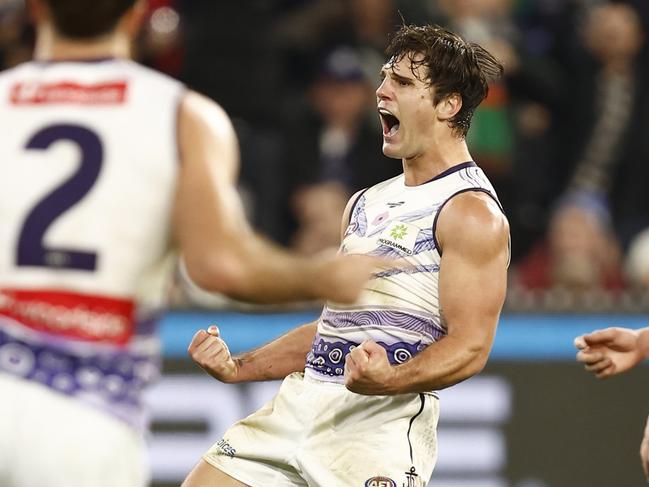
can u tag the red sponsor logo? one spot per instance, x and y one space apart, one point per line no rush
37 93
380 482
81 316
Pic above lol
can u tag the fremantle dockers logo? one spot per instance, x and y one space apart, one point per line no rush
380 482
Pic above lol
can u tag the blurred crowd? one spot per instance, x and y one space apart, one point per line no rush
564 136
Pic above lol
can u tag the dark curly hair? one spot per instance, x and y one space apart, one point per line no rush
85 19
452 66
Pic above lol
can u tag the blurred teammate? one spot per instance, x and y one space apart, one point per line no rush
613 351
364 412
104 167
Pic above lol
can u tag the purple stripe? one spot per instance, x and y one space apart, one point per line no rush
115 378
408 270
147 327
328 358
398 319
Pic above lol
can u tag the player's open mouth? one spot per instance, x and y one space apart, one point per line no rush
389 122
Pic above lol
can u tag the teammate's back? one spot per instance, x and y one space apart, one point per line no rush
104 167
92 154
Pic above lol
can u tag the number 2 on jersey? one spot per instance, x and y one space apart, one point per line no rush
31 248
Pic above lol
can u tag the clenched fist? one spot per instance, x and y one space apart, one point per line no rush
209 351
368 371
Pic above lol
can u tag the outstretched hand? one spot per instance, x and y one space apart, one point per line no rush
368 371
609 352
209 351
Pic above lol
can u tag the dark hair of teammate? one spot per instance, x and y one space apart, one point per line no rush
85 19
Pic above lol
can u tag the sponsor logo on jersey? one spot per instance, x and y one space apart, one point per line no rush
380 482
401 236
67 92
394 204
81 316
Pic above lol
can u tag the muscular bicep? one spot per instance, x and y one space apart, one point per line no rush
208 217
474 235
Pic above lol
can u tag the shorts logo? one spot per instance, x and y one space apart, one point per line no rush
380 482
226 448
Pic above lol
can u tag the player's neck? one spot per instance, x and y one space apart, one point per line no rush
52 47
436 159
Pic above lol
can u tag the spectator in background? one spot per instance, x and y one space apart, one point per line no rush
580 254
332 151
319 25
601 167
604 119
160 41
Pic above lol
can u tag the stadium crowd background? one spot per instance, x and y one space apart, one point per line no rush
563 136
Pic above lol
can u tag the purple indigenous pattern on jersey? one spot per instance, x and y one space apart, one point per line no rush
358 221
359 320
328 358
407 270
112 379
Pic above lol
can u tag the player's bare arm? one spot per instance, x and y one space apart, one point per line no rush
221 251
275 360
474 238
612 351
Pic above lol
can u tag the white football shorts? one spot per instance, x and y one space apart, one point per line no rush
316 433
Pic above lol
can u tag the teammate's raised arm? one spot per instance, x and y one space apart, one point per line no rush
222 253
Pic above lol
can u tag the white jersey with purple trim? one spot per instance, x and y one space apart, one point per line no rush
88 169
399 308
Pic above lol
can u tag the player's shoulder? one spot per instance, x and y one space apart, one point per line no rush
200 111
473 217
474 203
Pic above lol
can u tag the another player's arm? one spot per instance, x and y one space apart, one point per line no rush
473 234
220 250
612 351
275 360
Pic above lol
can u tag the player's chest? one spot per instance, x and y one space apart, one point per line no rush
392 226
